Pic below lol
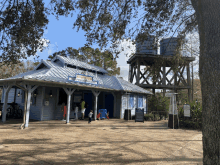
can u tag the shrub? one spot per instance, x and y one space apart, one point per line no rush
149 117
195 121
159 105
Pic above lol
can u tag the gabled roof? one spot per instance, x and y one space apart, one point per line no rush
53 72
77 63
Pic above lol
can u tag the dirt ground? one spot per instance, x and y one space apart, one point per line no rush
103 142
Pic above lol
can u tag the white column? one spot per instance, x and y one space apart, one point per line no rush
68 108
28 108
96 94
69 92
29 91
4 110
95 107
25 106
121 117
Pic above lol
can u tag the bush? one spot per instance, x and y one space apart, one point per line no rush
159 105
149 117
195 121
157 117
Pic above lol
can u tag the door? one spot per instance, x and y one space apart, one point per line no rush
88 97
109 104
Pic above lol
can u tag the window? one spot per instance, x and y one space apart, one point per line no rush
140 101
131 101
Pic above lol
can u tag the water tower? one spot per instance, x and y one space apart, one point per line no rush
147 46
166 79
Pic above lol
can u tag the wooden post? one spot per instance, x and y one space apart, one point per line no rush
188 82
132 73
4 110
129 73
96 94
164 80
153 91
192 81
69 92
138 72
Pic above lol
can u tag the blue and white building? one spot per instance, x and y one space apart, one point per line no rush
65 80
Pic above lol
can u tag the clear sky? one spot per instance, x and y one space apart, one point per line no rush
61 35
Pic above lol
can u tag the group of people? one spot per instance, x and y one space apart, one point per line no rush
83 109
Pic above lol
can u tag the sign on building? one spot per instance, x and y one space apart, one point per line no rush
83 79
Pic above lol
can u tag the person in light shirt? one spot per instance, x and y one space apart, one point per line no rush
82 108
90 116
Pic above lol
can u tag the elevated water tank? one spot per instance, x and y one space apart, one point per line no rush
147 46
168 46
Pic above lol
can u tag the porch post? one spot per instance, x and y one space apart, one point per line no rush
69 92
28 108
29 91
25 105
96 94
121 117
4 110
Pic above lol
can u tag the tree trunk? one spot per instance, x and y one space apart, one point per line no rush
208 17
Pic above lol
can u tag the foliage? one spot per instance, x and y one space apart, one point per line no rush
104 59
9 69
158 105
195 121
23 22
22 26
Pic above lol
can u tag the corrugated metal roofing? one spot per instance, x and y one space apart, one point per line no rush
57 73
79 64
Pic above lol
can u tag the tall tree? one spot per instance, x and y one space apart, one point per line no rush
22 26
104 59
10 69
110 20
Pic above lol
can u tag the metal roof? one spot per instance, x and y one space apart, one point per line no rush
56 73
74 62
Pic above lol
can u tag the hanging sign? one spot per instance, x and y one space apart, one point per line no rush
186 108
168 94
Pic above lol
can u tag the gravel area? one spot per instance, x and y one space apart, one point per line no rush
103 142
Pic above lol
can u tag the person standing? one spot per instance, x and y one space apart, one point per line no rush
82 108
63 111
90 116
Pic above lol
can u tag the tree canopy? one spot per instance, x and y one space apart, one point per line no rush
104 59
22 23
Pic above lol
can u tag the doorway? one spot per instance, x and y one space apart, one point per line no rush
109 104
88 97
